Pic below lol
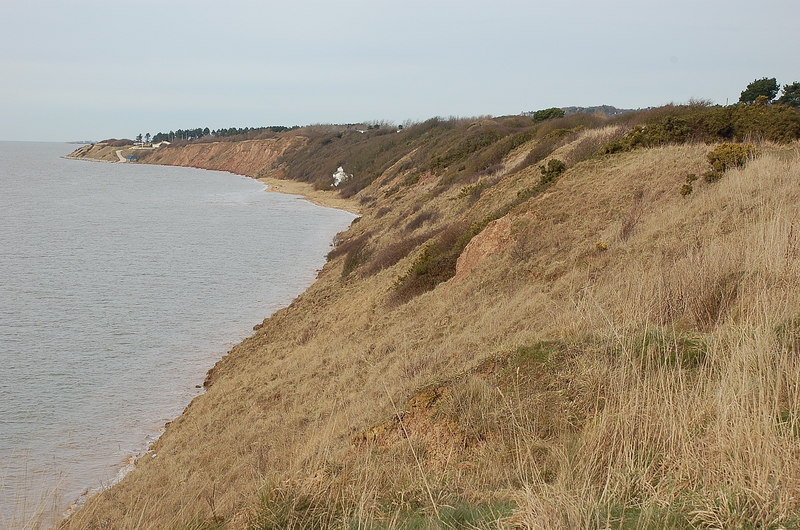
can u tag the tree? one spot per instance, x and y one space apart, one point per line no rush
760 87
791 95
547 114
147 138
139 138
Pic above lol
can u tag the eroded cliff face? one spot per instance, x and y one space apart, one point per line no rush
252 158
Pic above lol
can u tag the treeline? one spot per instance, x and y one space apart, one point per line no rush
196 134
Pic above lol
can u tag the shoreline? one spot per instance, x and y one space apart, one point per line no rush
304 190
301 190
307 192
87 159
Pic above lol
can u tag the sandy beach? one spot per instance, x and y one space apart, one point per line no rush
202 159
307 192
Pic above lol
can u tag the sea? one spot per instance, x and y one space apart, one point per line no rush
120 286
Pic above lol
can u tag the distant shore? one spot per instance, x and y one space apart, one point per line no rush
326 198
304 191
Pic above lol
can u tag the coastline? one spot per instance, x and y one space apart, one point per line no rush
307 192
304 190
70 157
300 190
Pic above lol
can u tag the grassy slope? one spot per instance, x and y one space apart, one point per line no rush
611 353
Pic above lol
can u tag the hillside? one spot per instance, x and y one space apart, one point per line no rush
236 157
531 325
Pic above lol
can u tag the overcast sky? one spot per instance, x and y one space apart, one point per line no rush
90 69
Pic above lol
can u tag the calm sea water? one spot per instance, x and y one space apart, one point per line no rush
120 286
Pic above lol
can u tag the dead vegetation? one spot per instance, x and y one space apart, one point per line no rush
617 356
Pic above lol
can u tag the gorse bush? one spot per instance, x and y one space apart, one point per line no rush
688 187
553 170
682 124
728 155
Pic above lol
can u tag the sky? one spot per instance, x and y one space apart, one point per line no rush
90 69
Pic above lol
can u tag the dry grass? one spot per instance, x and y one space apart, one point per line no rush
668 393
35 507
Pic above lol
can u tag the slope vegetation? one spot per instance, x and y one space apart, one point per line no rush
531 325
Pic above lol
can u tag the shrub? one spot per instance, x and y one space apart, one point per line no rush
437 262
473 142
554 169
548 143
777 123
391 254
472 191
491 159
342 247
672 129
729 155
547 114
688 188
356 257
412 178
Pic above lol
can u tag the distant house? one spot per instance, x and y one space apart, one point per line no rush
132 158
159 144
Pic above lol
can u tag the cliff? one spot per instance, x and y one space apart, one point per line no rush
243 158
504 341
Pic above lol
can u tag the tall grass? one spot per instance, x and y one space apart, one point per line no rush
31 507
649 382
